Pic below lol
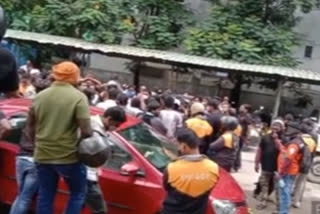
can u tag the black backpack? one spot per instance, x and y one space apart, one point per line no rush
306 161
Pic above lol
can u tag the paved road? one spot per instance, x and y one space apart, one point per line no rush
247 177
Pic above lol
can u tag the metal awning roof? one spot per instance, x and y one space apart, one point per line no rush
168 57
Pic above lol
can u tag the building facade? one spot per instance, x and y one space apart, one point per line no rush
308 53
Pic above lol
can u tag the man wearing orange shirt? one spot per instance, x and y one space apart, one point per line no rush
288 168
199 124
291 162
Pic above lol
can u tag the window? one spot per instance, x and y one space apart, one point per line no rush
157 149
120 156
308 51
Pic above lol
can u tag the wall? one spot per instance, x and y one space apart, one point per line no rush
309 28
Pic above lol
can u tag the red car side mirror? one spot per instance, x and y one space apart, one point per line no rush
131 169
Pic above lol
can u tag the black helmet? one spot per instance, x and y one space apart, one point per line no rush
3 24
95 150
229 123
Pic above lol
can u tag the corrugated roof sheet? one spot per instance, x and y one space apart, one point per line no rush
167 56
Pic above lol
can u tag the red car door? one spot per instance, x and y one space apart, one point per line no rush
8 180
129 193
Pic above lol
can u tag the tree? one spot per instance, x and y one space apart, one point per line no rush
18 11
251 31
230 34
156 24
94 20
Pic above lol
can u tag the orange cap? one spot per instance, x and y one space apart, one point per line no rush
66 72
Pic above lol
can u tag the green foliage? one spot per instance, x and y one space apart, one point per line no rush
18 10
157 24
230 33
250 31
94 20
151 23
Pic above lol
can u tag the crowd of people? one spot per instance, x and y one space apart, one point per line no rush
284 154
208 131
205 128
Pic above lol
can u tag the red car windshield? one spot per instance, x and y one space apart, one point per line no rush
157 149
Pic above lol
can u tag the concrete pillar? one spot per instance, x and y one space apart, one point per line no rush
278 99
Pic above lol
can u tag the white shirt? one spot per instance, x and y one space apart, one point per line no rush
107 104
24 67
172 120
27 158
35 71
133 110
93 174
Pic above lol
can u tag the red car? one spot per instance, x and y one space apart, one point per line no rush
131 180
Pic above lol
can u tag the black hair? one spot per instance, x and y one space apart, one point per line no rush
9 79
229 123
78 61
135 102
41 84
122 99
315 113
187 136
169 102
153 105
35 63
25 76
248 107
158 98
307 126
113 93
213 103
199 98
289 116
116 114
89 93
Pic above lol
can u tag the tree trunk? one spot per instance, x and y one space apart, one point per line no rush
266 12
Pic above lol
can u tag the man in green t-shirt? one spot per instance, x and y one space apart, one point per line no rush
55 117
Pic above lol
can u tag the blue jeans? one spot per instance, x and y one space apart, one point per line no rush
28 186
285 194
75 177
